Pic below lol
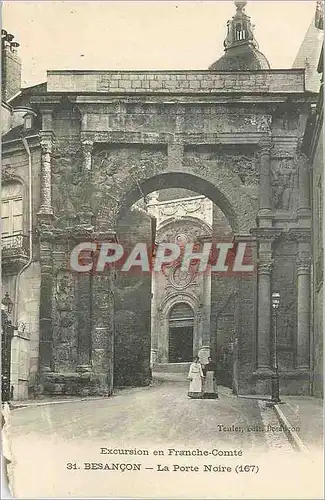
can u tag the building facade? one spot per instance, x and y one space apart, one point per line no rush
90 144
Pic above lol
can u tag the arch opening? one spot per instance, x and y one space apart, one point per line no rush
180 180
180 327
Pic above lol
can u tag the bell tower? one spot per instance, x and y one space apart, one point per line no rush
241 47
240 28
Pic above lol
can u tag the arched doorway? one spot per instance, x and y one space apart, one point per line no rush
181 323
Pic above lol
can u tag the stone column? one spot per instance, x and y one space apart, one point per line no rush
265 239
46 290
303 234
303 237
304 186
84 286
102 326
85 214
264 269
265 204
47 142
45 221
303 337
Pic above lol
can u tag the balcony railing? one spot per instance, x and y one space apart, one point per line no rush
15 245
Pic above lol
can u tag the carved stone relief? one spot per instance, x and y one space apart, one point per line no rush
180 279
7 173
64 291
64 322
66 178
283 178
245 166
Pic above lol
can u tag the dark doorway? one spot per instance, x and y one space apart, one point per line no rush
181 320
180 344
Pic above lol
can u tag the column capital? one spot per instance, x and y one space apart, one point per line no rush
87 145
302 158
45 219
300 234
303 266
46 141
245 238
265 266
265 146
105 236
268 234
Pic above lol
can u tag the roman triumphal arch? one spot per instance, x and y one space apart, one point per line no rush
234 137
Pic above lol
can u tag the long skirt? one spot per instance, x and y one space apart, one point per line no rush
210 386
195 389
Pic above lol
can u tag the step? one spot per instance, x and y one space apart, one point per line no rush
171 367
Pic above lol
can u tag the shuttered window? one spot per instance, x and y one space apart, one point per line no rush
11 209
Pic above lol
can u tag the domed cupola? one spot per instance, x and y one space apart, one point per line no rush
241 48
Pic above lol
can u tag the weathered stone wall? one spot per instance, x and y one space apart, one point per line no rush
284 282
175 81
25 314
132 307
318 268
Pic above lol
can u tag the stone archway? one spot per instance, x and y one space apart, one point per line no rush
122 175
160 340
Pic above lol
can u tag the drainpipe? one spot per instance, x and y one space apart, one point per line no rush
26 146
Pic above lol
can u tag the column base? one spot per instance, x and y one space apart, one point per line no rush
45 211
153 357
293 382
82 384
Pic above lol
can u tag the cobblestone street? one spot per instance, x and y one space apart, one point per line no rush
154 418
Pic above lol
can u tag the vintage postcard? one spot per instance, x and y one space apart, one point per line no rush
162 249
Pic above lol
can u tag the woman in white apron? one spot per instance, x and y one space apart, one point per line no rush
195 376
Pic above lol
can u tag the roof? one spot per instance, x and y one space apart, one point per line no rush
241 47
18 132
241 58
308 56
21 98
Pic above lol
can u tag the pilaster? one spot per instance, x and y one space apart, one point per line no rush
303 237
303 211
85 214
265 238
47 143
265 215
102 327
46 291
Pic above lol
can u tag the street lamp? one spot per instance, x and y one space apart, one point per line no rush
6 304
275 372
6 336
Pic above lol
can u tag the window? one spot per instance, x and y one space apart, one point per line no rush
11 209
28 122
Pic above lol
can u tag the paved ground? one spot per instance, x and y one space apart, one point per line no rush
306 415
151 420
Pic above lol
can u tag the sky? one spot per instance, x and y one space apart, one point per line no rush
145 35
